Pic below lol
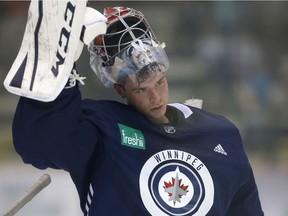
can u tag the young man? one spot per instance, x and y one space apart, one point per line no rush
145 157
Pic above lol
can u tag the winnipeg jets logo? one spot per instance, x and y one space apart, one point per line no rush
174 189
174 182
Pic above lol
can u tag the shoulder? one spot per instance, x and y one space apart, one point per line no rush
101 103
202 117
107 109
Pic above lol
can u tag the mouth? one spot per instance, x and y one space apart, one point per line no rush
157 109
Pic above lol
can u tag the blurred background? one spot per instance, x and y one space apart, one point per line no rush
231 54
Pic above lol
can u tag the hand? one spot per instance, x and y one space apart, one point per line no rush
94 24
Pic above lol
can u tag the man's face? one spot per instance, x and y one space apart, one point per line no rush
149 97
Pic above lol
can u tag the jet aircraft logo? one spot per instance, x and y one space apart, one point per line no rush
175 189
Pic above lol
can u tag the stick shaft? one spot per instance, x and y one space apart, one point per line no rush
39 185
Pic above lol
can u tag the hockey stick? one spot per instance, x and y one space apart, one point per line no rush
41 183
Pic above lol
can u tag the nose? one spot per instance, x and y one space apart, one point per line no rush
154 95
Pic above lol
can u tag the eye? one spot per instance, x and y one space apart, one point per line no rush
160 82
141 90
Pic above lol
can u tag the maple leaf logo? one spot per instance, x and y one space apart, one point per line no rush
175 189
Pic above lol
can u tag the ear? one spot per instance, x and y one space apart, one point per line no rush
120 90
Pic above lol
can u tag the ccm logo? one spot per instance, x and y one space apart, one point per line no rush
64 38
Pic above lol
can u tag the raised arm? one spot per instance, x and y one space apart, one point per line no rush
54 134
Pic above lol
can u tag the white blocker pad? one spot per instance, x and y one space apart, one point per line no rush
47 54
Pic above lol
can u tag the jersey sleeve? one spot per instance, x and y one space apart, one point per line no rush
246 199
55 134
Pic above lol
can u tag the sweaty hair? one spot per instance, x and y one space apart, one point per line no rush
146 71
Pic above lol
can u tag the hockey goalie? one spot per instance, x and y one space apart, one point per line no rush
140 156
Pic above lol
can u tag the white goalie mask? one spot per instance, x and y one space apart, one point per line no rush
129 48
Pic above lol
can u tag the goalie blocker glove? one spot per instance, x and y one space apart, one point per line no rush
50 47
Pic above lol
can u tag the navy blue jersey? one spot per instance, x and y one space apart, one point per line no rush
122 164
